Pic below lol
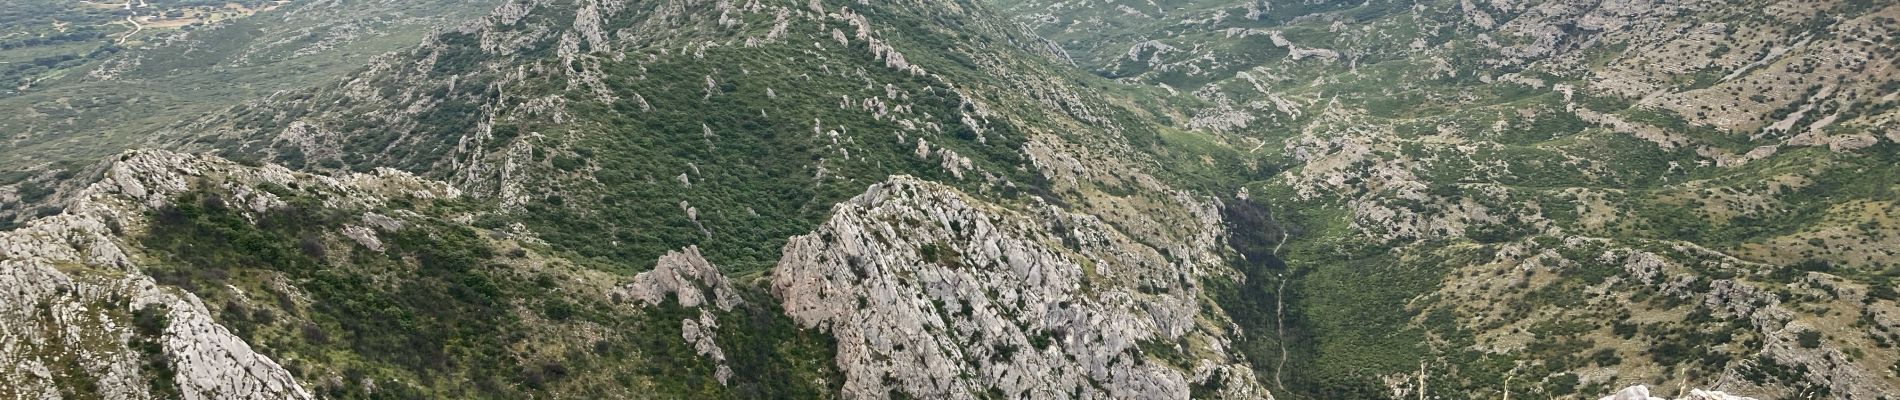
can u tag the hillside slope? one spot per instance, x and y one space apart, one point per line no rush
1563 195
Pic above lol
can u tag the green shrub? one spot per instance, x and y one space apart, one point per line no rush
1808 339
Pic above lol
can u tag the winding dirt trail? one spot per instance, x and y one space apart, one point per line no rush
1279 299
1279 314
135 29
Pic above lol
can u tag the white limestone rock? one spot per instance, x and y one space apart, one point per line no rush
1640 392
688 276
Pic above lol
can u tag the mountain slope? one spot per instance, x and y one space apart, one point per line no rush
603 136
751 115
925 198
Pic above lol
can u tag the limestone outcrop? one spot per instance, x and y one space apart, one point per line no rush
1640 392
694 283
936 294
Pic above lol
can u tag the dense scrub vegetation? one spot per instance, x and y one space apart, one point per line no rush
441 312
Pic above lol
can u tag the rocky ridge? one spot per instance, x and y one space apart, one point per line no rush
87 314
1114 317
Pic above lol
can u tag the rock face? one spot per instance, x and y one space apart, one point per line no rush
935 294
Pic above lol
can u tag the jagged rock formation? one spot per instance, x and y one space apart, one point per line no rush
688 278
933 293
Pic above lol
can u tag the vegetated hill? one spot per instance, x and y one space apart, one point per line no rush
1561 195
83 80
624 131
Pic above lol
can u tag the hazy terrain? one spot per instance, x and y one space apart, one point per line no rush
949 199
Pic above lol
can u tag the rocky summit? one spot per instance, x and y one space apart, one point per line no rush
956 199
